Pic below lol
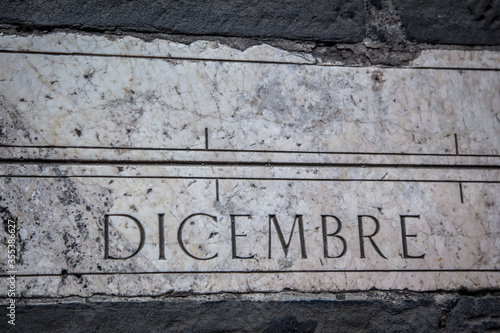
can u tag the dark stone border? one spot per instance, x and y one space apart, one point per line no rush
461 22
413 313
319 20
391 22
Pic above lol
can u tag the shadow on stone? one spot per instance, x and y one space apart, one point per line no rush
290 324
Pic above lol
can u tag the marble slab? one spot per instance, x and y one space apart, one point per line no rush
128 46
138 168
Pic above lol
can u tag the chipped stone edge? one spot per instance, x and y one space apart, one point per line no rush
282 296
88 44
67 43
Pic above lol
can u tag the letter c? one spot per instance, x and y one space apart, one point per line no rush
179 236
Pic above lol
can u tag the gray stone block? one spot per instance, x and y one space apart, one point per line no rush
233 316
410 313
320 20
463 22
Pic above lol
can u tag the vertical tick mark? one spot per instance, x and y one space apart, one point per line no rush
461 192
217 189
456 144
206 138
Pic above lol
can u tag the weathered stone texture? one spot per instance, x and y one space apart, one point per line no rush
324 20
463 22
412 314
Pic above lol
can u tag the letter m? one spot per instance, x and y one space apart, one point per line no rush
286 245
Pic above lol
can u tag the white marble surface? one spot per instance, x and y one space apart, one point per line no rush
87 132
123 102
458 59
63 219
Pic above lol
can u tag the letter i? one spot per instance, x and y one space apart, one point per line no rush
161 236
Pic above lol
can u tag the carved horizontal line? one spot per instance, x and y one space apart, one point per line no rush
40 161
245 151
85 54
493 270
152 57
262 179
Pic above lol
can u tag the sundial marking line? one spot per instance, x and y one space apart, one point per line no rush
158 162
244 150
429 270
217 189
241 61
260 179
206 138
460 187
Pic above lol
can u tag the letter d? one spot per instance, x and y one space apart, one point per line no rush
106 235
